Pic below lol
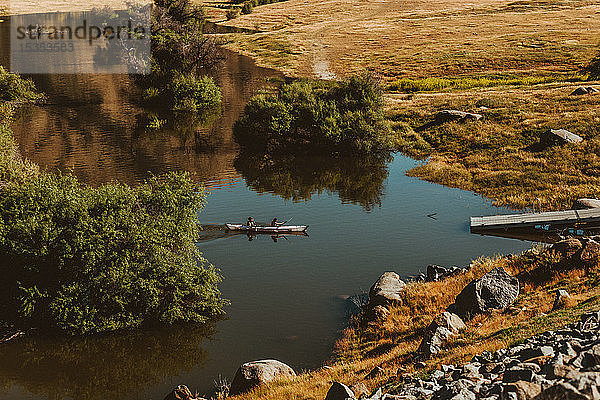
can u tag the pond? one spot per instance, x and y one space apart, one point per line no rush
288 296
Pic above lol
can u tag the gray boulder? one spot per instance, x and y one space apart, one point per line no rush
386 291
559 136
455 115
495 290
339 391
255 373
438 332
584 203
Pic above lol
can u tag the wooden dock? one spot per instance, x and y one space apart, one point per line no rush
552 220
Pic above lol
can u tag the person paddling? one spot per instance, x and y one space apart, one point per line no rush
275 222
251 223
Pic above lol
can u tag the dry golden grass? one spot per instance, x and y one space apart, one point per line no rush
392 344
497 156
421 38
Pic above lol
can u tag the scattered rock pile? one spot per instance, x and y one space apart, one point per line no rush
561 364
495 290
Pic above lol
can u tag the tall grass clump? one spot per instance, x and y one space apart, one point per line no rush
84 260
409 85
331 116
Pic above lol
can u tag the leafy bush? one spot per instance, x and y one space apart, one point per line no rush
13 168
15 88
333 116
85 260
194 94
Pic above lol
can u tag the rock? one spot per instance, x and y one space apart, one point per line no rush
559 136
339 391
561 391
455 115
439 331
587 383
436 273
583 90
495 290
182 392
582 204
524 390
386 291
359 389
567 248
255 373
590 254
375 372
515 375
377 314
560 299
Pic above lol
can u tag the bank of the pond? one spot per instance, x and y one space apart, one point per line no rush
382 350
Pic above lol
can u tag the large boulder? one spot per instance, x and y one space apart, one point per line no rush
439 331
339 391
559 136
386 291
495 290
255 373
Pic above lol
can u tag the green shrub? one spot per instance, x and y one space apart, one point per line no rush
332 116
13 168
83 260
194 94
15 88
247 7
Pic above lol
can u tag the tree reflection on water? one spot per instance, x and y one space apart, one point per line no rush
297 177
113 366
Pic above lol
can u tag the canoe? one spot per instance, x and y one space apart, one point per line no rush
267 229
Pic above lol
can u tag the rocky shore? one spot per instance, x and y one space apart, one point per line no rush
561 364
557 364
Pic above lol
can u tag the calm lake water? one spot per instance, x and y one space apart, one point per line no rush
287 296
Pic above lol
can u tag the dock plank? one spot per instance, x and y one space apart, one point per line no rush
551 217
